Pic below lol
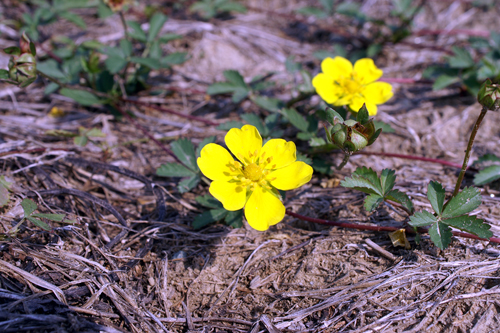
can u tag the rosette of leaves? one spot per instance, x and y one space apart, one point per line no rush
455 213
29 208
189 171
216 213
351 135
379 189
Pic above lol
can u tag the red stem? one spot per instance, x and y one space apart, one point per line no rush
160 108
380 228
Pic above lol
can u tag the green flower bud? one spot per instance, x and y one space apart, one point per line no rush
22 64
339 138
358 140
489 95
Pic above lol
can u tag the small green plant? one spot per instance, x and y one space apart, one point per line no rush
216 213
184 150
81 138
212 8
29 208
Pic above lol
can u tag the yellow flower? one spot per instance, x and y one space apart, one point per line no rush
342 84
254 181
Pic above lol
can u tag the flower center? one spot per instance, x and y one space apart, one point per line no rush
351 85
252 172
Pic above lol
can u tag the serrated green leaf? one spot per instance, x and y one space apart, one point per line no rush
232 7
422 219
305 136
464 202
174 170
221 88
240 94
435 194
73 18
440 235
148 62
234 218
206 141
370 178
51 68
296 119
387 180
126 47
208 201
461 59
386 128
175 58
230 124
29 206
235 78
316 142
155 24
401 198
268 103
208 217
254 120
52 217
487 175
81 140
184 150
360 184
39 223
95 133
80 96
444 81
115 64
470 224
486 158
137 32
165 38
372 201
188 184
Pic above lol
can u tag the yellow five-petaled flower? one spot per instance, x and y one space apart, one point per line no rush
253 181
341 83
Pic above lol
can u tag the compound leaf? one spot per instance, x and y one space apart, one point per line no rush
470 224
29 206
174 170
387 179
422 219
372 202
435 194
440 234
487 175
208 217
208 201
188 184
401 198
184 150
463 203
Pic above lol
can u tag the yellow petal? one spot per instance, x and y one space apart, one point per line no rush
231 194
279 153
366 71
372 108
290 177
378 92
215 162
326 88
263 209
244 143
356 103
336 68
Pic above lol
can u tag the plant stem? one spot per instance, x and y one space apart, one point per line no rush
380 228
64 85
125 27
344 161
469 149
412 157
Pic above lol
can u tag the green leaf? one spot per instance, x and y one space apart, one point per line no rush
73 18
174 170
235 78
333 116
51 68
81 140
365 180
470 224
4 74
165 38
137 32
486 159
401 198
435 194
208 217
12 50
487 175
39 223
148 62
234 218
323 54
155 24
184 150
232 7
463 203
254 120
240 94
296 119
188 184
321 166
230 124
126 47
103 11
422 219
115 64
444 81
387 180
268 103
304 158
206 141
440 235
29 206
386 128
208 201
81 96
461 59
52 217
363 116
372 202
221 88
175 58
95 133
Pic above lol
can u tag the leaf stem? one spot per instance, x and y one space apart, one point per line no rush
381 228
484 110
344 161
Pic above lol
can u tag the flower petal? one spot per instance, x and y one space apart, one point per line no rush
244 143
356 103
231 194
263 209
214 162
280 153
336 68
366 71
372 108
326 88
290 177
378 92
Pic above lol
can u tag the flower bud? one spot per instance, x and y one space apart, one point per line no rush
22 63
489 95
358 140
339 138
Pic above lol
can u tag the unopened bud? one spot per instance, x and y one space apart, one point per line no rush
489 95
